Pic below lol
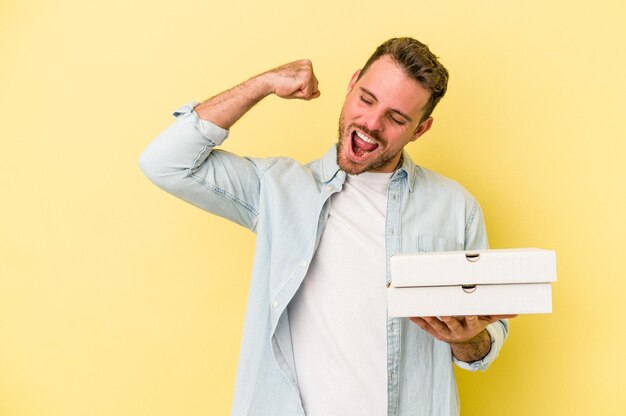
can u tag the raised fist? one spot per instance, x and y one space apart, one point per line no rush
294 80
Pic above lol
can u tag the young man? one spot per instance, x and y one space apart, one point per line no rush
317 340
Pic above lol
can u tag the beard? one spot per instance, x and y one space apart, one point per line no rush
345 140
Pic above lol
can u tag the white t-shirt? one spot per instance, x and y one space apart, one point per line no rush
338 316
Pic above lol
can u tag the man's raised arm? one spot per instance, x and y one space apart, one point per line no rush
181 159
292 80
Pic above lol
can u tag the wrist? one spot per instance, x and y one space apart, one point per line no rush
478 338
265 83
474 349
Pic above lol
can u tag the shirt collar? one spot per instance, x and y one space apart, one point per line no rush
407 168
330 169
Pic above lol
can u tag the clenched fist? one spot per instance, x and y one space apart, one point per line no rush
294 80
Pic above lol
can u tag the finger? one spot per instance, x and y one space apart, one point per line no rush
314 95
310 88
421 322
498 317
308 91
418 321
316 83
473 324
424 325
454 325
494 318
437 325
303 95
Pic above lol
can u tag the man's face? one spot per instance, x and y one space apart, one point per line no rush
379 117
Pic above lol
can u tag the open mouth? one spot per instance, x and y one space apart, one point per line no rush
362 145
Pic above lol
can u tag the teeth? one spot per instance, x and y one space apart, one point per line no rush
365 138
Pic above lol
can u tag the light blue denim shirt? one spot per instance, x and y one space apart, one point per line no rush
286 205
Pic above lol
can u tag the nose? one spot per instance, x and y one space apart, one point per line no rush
374 121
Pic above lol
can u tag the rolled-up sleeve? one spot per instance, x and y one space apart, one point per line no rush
182 161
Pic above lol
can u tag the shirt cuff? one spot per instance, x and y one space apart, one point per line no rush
497 333
212 132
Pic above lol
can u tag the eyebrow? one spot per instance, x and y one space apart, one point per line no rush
393 110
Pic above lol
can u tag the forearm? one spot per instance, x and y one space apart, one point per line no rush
292 80
474 349
226 108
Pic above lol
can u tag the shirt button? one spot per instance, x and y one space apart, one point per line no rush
305 263
329 188
275 304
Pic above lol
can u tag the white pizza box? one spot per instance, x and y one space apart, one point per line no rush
483 282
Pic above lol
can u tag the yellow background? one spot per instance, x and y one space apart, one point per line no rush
118 299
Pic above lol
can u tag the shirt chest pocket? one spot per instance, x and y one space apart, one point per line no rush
429 243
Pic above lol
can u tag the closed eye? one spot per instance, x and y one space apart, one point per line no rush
366 101
396 121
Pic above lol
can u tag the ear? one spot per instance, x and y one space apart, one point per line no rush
422 128
353 81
